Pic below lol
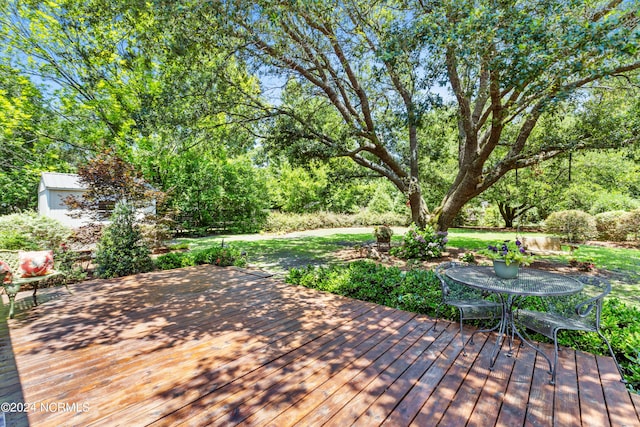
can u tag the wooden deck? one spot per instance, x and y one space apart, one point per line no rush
216 346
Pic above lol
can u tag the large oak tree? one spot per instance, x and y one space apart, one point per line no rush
379 66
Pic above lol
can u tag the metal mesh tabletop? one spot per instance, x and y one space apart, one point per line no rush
528 282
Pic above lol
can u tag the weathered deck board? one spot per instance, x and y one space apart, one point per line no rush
214 346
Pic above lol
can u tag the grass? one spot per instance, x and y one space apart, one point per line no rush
624 264
614 259
281 254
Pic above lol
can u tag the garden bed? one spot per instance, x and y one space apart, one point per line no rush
451 254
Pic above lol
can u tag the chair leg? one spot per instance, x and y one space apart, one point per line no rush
12 300
613 355
35 298
438 311
477 331
464 351
554 368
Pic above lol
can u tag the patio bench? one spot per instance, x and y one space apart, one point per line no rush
15 282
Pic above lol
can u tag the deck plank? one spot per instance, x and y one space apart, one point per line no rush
469 389
592 404
567 400
366 396
541 396
346 395
217 346
491 394
386 403
339 372
303 363
619 404
412 402
514 405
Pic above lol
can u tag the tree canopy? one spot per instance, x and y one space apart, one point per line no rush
441 98
379 67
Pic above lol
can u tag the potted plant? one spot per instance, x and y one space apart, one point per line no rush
507 258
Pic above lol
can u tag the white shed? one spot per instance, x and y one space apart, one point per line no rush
54 188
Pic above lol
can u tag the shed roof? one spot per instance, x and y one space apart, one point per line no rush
61 181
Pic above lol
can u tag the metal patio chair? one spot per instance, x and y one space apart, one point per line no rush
578 312
472 304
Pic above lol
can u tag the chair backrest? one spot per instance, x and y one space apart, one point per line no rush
585 306
12 259
595 289
440 270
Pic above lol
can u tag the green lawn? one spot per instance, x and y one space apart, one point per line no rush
279 254
615 259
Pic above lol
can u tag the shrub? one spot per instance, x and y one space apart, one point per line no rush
380 202
415 290
368 218
31 231
573 225
287 222
121 250
607 224
86 236
612 201
217 255
66 261
156 235
629 224
421 244
222 256
169 261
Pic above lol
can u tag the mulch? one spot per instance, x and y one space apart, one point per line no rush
452 254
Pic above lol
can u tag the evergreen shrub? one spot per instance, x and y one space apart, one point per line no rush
121 250
222 256
287 222
416 290
573 226
30 231
629 225
608 226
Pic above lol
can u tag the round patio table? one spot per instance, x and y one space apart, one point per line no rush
529 282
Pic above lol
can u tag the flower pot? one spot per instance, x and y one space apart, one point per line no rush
384 243
505 271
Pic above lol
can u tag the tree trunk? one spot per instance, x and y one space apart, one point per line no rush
419 211
508 214
462 190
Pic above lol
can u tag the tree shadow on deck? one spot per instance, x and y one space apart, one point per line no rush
183 334
224 345
10 386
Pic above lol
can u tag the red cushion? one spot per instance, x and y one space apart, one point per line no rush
35 263
4 268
